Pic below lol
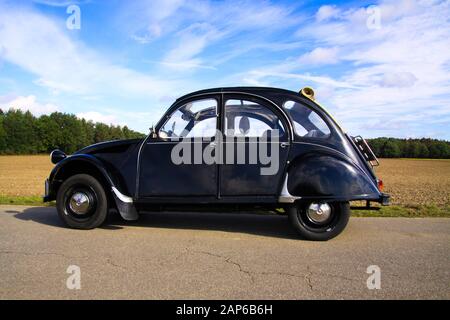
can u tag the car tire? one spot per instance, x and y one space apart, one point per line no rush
81 202
318 227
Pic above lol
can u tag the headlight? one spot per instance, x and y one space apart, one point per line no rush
57 155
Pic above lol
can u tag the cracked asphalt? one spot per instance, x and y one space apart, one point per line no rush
219 256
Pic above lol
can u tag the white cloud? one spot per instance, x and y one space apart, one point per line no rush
140 121
99 117
320 56
146 21
40 45
27 103
194 26
60 3
398 75
191 42
326 12
398 79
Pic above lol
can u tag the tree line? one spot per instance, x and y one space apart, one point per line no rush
410 148
23 133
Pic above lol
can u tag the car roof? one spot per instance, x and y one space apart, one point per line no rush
262 91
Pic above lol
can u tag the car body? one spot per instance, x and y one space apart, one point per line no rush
319 167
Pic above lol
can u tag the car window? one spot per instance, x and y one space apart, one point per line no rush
193 119
250 119
307 123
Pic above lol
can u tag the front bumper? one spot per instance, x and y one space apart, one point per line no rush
47 196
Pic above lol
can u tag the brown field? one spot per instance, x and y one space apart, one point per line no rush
416 182
409 181
24 175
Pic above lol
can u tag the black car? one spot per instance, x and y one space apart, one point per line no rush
225 148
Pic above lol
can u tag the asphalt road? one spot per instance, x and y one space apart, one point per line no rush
219 256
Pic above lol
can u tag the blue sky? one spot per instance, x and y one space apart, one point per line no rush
382 68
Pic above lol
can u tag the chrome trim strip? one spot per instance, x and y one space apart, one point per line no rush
121 196
285 196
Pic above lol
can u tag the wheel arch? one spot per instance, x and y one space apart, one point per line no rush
78 164
327 175
88 164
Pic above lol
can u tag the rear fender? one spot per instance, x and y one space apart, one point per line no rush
329 176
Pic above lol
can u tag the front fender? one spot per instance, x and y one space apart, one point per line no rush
89 164
56 173
328 176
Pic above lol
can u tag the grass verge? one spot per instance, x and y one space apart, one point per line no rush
25 200
389 211
405 211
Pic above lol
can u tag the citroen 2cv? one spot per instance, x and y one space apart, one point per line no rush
228 148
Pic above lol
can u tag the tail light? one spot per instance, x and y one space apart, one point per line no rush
380 184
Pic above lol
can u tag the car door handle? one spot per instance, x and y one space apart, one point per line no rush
284 144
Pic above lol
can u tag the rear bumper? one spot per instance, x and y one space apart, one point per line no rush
385 199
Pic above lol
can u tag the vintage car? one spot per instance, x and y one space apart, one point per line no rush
237 148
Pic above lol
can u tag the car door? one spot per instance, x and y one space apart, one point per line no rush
171 162
256 147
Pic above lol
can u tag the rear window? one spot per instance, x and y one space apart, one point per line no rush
307 123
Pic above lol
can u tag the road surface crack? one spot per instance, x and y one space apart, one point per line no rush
228 260
251 273
308 276
111 263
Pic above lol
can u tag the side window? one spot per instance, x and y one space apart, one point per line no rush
249 119
307 123
193 119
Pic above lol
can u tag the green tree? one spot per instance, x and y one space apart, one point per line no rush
102 132
423 152
23 133
20 132
391 149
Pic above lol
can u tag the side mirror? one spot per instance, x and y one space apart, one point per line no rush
153 133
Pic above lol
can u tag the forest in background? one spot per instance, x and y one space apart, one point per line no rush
23 133
410 148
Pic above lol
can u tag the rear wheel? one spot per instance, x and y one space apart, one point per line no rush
82 202
319 220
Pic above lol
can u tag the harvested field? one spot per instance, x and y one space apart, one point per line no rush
414 182
410 182
24 175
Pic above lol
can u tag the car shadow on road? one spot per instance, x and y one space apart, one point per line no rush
270 225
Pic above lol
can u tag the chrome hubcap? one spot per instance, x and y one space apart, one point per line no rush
79 203
318 213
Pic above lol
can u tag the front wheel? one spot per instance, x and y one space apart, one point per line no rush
319 220
82 202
